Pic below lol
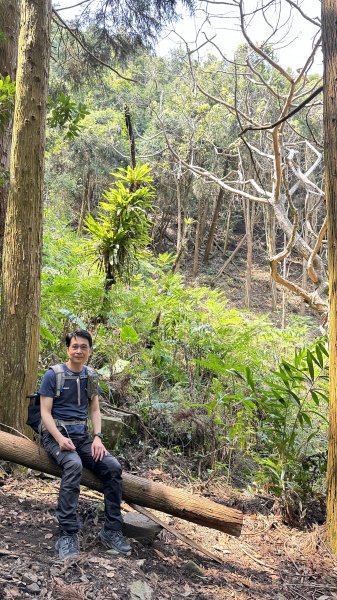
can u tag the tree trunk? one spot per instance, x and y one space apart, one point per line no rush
131 136
226 230
329 39
179 216
249 215
215 218
85 204
284 292
201 223
270 227
9 25
141 491
197 243
21 264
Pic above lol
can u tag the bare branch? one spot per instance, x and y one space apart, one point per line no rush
316 21
207 174
230 107
74 5
311 271
313 299
301 176
309 60
259 50
287 116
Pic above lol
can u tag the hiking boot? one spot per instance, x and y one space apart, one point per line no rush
114 540
67 545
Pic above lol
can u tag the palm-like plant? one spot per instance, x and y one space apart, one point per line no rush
120 233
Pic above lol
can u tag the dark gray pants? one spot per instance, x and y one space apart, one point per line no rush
108 470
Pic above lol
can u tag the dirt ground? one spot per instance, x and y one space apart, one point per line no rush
268 561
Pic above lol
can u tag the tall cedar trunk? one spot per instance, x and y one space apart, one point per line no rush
23 228
9 25
329 38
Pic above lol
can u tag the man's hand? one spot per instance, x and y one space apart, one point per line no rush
98 450
65 443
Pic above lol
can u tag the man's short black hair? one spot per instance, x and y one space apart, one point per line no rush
78 333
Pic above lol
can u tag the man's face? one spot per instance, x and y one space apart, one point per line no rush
79 350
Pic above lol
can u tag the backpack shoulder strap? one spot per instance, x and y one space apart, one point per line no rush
92 385
60 378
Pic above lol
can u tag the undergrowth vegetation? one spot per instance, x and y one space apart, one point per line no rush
227 388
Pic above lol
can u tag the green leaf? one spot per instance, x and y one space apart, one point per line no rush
73 318
315 397
310 365
249 403
295 397
319 356
322 394
249 378
307 419
129 334
46 334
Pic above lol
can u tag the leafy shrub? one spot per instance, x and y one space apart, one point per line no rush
120 233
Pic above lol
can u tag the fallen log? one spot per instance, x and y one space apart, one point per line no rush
137 490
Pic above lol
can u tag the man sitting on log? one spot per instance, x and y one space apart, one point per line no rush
64 414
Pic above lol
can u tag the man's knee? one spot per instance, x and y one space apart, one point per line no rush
73 468
111 467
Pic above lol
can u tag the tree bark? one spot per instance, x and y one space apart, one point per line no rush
201 222
131 136
329 40
85 204
21 264
141 491
9 25
197 243
270 229
227 226
249 216
215 218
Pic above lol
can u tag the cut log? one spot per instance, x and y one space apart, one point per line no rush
141 528
137 490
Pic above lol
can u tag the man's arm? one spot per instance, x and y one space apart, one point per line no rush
46 404
98 449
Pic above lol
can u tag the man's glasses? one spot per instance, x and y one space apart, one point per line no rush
83 347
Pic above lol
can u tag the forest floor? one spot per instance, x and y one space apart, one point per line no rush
269 561
233 283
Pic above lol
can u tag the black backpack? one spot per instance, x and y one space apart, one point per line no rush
34 411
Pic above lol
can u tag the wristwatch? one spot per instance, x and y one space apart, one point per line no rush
99 434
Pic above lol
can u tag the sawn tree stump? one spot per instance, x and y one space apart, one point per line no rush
136 490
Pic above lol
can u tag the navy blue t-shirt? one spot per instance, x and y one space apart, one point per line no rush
67 407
